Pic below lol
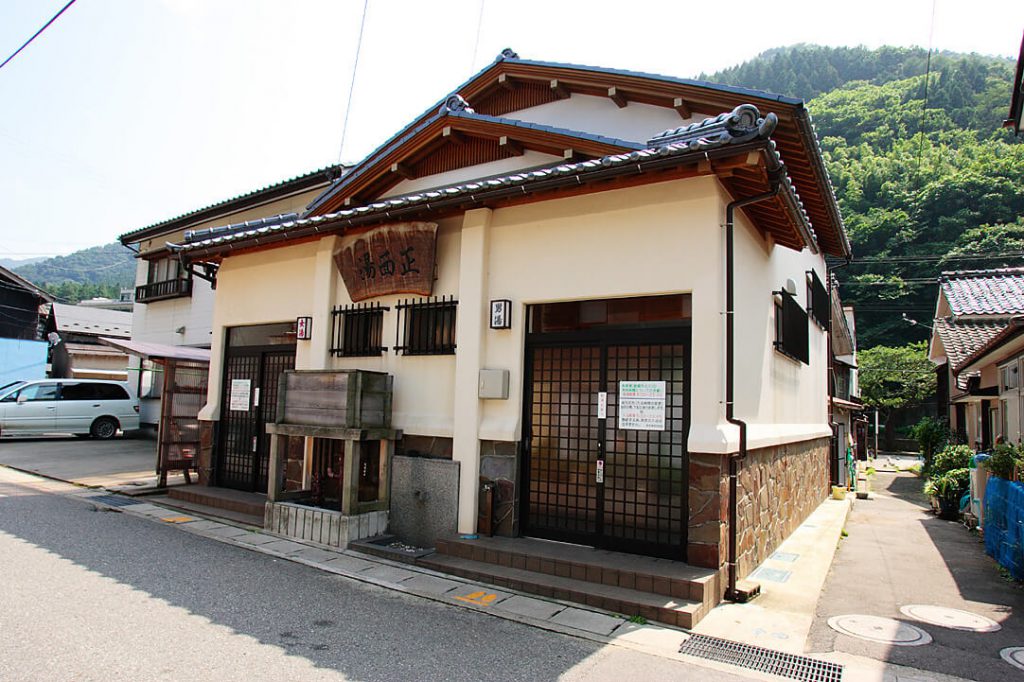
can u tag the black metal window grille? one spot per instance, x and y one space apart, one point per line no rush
358 330
817 300
426 326
791 337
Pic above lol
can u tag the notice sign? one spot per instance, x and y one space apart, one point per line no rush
240 392
642 405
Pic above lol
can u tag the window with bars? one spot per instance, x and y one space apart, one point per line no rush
791 336
426 326
358 330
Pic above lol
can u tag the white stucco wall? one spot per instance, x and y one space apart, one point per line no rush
529 159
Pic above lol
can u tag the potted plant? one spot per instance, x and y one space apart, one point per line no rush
948 488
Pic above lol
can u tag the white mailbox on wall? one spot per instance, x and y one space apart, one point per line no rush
493 384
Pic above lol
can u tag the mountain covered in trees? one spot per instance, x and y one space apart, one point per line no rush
926 177
92 272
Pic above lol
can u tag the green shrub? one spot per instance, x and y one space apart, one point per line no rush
951 484
951 457
931 434
1001 462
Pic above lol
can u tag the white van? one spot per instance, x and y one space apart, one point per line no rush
85 407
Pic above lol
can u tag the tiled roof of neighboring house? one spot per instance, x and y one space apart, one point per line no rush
961 338
985 292
1011 330
272 191
21 282
743 125
92 321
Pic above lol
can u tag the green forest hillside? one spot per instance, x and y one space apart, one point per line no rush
926 177
97 271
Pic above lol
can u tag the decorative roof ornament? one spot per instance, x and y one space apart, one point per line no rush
508 53
742 124
455 103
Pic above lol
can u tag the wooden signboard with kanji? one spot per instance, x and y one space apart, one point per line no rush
391 259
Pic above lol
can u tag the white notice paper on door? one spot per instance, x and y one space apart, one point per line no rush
240 391
642 405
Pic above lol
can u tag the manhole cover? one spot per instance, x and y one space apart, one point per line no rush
1014 655
950 618
877 629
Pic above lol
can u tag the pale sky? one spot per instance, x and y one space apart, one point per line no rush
128 112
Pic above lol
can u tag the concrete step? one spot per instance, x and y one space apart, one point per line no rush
251 504
207 511
653 607
645 574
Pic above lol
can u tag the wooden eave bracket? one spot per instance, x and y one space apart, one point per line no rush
404 170
559 90
510 146
505 82
618 97
680 105
454 136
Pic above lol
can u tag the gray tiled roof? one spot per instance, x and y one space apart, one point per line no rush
744 124
961 338
985 292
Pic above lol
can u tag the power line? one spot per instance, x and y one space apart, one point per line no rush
476 43
352 85
36 34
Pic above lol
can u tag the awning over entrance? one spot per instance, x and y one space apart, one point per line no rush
159 351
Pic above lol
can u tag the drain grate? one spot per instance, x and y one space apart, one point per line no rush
763 660
113 500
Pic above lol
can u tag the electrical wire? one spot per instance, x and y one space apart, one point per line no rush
352 85
37 33
476 43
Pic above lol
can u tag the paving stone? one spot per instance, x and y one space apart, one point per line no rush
226 532
587 620
531 608
205 525
348 564
430 584
388 574
315 554
257 539
147 509
284 547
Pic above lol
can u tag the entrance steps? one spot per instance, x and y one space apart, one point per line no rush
659 590
248 505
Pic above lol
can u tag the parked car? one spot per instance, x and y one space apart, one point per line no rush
84 407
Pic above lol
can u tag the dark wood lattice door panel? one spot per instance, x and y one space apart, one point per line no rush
235 461
273 365
563 494
644 496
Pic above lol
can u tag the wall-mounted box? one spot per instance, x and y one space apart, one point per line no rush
493 384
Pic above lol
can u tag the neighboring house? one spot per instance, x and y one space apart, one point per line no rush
998 365
973 308
589 287
174 307
845 400
22 313
1016 118
76 350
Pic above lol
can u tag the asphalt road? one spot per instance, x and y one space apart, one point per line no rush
86 461
897 553
101 595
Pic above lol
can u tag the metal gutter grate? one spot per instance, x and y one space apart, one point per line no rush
793 666
113 500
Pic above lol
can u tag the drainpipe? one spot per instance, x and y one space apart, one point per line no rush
731 592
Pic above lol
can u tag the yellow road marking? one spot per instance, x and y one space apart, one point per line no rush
478 598
177 519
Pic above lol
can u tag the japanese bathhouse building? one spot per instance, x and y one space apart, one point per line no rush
596 291
977 319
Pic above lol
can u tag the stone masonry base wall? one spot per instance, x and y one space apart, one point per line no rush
778 488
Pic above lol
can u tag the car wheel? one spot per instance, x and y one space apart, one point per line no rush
104 428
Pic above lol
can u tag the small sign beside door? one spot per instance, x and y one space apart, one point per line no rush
600 471
241 389
642 405
303 328
602 404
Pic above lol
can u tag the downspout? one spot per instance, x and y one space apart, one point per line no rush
731 592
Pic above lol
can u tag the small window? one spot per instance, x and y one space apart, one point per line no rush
791 337
1008 377
38 392
817 300
426 326
358 330
165 269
